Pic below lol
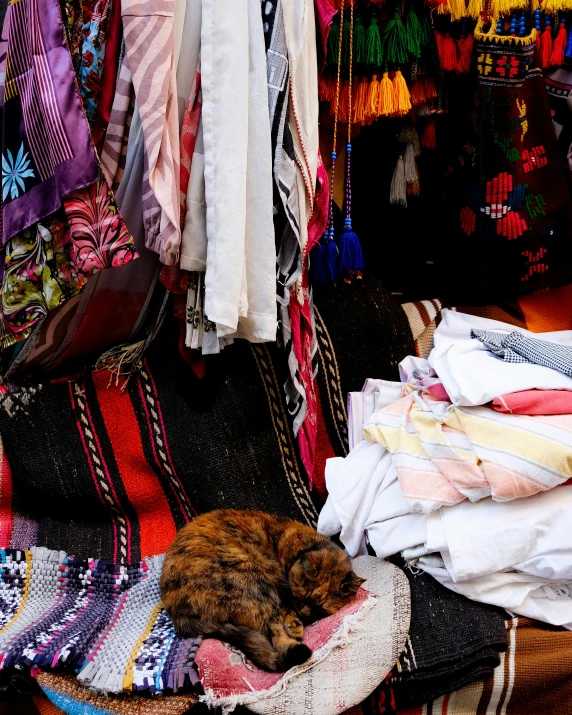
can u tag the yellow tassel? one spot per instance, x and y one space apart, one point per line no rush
401 96
458 9
372 113
443 8
475 8
535 5
553 6
361 99
385 105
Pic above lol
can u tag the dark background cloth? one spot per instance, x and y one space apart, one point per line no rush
452 642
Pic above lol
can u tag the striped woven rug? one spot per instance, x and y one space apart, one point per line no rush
103 621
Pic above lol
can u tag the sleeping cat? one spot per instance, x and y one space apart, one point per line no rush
253 579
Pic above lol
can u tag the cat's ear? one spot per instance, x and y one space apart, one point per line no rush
351 583
309 567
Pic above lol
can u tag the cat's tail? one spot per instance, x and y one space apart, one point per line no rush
255 645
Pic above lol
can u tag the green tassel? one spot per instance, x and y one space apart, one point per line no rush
346 42
426 34
373 43
395 41
413 29
359 41
333 44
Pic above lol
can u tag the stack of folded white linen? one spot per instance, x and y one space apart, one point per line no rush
475 497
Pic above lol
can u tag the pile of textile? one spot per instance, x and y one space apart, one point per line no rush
463 467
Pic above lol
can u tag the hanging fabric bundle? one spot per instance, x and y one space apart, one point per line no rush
351 255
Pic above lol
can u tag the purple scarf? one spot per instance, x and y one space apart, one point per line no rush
47 152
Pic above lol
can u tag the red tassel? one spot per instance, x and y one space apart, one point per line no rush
418 92
465 53
429 138
447 50
559 49
545 48
537 47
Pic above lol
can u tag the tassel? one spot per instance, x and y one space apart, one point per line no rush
474 9
401 96
326 89
408 135
559 48
465 53
414 188
360 106
359 41
425 30
568 52
429 138
411 174
333 44
332 255
418 92
351 254
385 106
372 111
457 9
546 45
373 43
319 264
395 41
346 41
413 35
447 51
398 190
430 88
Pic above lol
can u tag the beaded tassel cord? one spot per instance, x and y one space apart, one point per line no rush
325 254
351 255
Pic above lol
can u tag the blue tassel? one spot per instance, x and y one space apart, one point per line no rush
332 259
350 249
319 263
568 52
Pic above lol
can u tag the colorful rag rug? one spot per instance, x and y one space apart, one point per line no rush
47 151
103 621
515 213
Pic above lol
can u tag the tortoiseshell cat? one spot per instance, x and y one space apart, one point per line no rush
253 579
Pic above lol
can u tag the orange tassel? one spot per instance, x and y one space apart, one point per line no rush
360 101
429 138
417 92
371 113
447 50
401 96
430 89
466 53
326 89
545 48
385 104
559 49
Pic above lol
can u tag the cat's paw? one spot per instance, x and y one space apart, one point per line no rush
294 627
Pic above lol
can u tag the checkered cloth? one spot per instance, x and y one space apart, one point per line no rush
518 348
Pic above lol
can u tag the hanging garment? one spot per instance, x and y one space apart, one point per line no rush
472 375
114 148
47 152
149 47
240 292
